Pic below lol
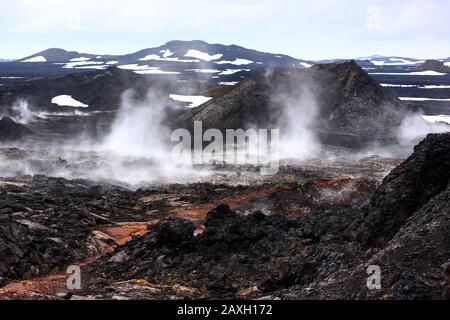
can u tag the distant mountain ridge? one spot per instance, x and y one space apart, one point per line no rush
378 60
223 64
169 52
179 48
55 55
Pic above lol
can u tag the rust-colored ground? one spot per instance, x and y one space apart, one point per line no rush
199 212
54 286
124 232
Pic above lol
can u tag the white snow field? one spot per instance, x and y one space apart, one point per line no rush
164 58
155 71
232 71
435 87
421 99
439 118
203 70
305 64
418 73
82 64
194 101
192 53
396 62
391 85
228 83
80 59
236 62
145 69
36 59
67 101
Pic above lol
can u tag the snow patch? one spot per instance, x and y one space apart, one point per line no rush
145 69
166 53
439 118
67 101
421 99
203 70
136 67
80 59
394 62
419 73
435 87
194 101
36 59
232 71
305 64
236 62
81 64
150 57
155 71
164 58
389 85
228 83
202 55
102 67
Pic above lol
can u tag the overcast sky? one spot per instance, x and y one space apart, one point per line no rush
315 29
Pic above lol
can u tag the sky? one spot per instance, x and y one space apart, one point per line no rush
317 29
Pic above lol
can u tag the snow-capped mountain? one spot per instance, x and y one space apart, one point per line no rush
379 61
225 64
4 60
219 67
54 55
392 60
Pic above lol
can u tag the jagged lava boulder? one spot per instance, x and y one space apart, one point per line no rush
407 188
405 230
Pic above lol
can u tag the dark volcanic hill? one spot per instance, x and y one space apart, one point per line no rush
55 55
434 65
11 131
352 108
100 90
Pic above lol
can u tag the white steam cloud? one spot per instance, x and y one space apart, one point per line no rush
138 129
414 128
22 113
299 117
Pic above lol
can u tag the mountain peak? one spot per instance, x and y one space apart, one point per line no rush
434 65
54 55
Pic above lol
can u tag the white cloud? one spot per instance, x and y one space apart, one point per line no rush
305 29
